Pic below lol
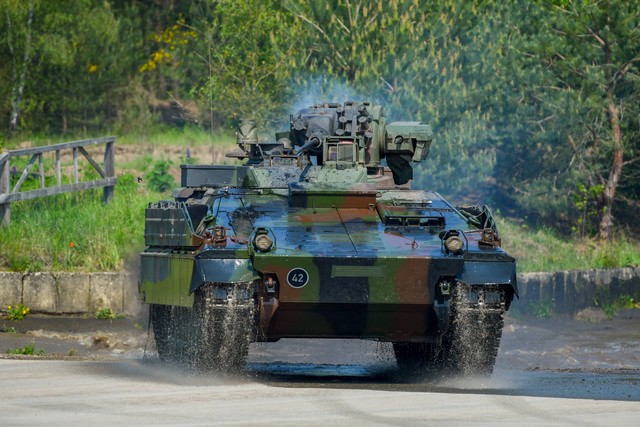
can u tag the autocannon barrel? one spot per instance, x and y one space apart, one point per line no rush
314 142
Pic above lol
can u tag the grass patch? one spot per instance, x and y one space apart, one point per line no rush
541 308
107 313
610 306
76 231
27 350
544 250
186 136
157 135
8 329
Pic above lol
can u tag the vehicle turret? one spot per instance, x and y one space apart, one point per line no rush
342 136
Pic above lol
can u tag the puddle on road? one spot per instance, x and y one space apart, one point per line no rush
563 343
319 370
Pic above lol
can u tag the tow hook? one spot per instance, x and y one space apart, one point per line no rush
445 288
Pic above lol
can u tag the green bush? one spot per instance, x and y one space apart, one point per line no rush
159 178
542 308
610 306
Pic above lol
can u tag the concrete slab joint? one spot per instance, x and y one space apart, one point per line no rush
10 288
39 292
107 291
73 292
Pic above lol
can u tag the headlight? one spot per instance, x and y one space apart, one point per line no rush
454 244
263 243
452 241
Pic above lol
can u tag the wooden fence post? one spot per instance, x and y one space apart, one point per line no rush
109 171
5 189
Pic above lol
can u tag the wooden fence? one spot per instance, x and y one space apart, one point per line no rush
107 178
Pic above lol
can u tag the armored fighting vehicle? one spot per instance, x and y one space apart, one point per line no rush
314 236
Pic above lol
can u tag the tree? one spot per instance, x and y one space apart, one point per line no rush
59 55
583 67
19 51
434 61
242 49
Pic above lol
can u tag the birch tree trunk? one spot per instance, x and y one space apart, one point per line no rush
17 89
605 229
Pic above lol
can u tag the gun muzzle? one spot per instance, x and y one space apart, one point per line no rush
314 142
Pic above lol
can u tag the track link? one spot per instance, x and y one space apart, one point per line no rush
214 334
471 344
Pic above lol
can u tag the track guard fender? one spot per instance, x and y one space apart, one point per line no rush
498 273
222 270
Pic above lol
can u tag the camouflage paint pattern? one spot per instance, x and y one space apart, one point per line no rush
352 253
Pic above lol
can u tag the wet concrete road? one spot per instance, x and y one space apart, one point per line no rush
549 372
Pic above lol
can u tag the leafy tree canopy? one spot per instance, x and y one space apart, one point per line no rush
534 104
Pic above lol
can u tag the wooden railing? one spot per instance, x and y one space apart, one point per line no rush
107 178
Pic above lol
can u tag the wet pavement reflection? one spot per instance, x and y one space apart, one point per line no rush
545 357
542 357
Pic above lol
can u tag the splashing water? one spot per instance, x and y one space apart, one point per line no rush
476 331
226 324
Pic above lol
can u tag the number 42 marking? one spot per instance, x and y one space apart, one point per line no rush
297 277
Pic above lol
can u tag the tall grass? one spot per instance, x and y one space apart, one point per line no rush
544 250
158 134
76 231
153 143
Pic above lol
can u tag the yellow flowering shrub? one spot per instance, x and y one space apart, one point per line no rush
170 39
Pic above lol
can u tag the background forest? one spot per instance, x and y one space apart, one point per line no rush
534 104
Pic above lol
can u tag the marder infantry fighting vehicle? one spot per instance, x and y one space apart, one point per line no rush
313 237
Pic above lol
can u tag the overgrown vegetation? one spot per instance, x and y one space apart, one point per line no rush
611 305
545 249
542 308
8 329
76 231
17 312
